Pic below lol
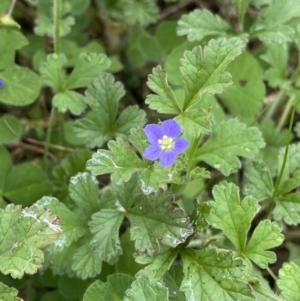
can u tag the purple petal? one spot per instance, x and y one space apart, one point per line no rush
153 133
152 152
168 158
180 145
171 128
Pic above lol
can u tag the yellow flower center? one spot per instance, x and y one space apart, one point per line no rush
166 143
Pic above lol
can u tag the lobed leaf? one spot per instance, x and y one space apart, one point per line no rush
120 160
73 226
203 69
113 289
165 101
232 215
156 220
230 139
69 100
211 275
266 235
146 289
23 232
272 25
87 68
289 281
202 23
8 293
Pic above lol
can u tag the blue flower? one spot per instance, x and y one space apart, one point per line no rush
1 83
165 142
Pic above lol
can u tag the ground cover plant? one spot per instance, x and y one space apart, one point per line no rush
149 150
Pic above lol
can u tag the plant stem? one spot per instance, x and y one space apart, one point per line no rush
193 149
266 293
271 273
275 104
11 8
56 42
49 132
57 17
285 113
288 139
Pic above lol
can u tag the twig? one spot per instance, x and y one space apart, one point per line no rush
173 9
55 146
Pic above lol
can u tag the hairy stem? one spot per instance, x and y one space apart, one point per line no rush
266 293
57 17
11 8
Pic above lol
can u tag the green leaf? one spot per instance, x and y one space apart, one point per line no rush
203 69
8 293
141 12
23 233
4 6
22 86
86 262
291 174
72 288
202 23
288 209
200 216
130 117
211 275
165 33
52 72
232 215
246 95
72 224
146 289
152 177
92 130
158 264
165 100
289 281
105 225
10 41
113 289
26 183
172 63
274 140
173 279
267 235
120 160
10 129
195 122
69 100
103 98
6 165
44 24
87 68
261 181
229 140
272 24
277 57
156 220
150 48
84 191
126 263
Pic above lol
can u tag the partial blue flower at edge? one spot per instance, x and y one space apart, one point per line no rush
166 143
1 83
